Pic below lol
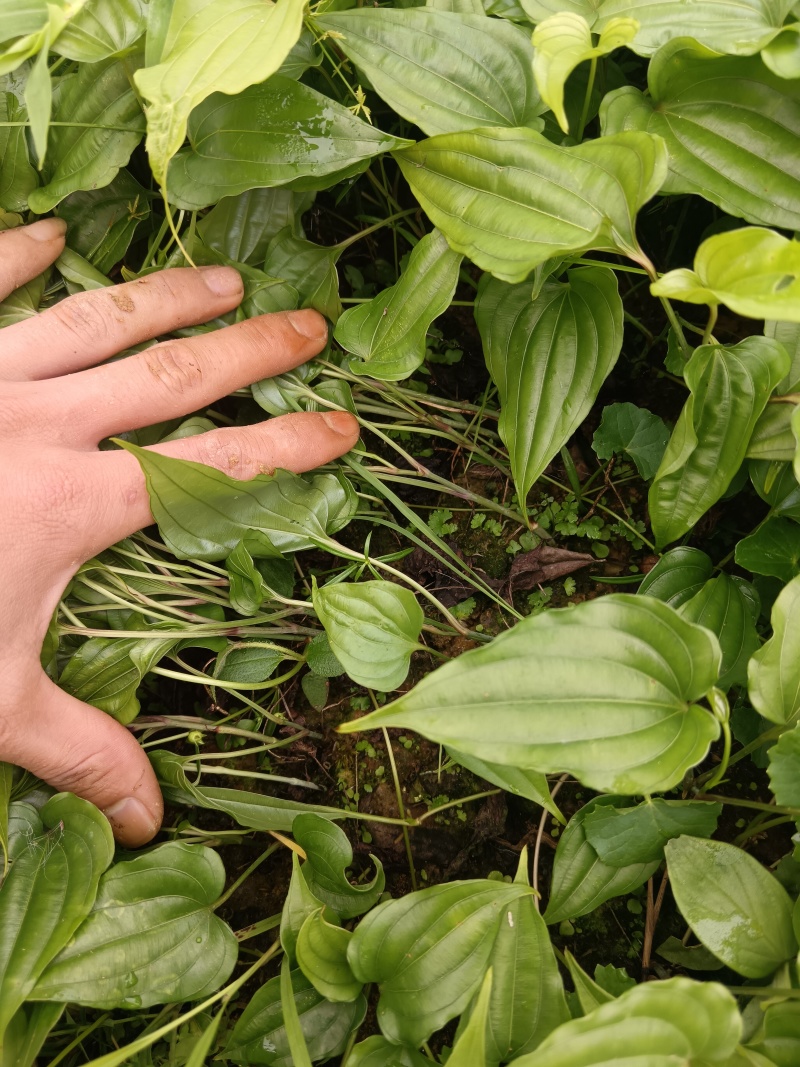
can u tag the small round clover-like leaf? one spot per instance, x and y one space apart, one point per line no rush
606 690
372 627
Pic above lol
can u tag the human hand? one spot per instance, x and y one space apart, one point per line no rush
64 501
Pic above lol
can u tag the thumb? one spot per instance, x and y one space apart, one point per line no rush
79 749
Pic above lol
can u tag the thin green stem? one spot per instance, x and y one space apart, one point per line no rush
244 876
587 100
342 245
713 311
399 794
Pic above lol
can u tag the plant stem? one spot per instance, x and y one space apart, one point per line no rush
245 875
713 311
399 794
587 99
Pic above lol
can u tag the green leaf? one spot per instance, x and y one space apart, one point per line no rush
429 951
103 222
735 907
562 42
247 591
616 681
510 199
772 437
300 903
729 607
271 134
310 268
590 995
778 1036
678 576
27 1032
773 673
776 484
372 627
152 936
784 768
378 1052
633 431
444 72
18 18
102 28
322 957
747 164
625 836
548 358
773 549
529 784
48 892
321 659
788 333
469 1049
259 1036
18 177
389 332
204 514
249 661
581 881
329 856
690 957
656 1024
107 671
729 389
241 227
756 272
211 46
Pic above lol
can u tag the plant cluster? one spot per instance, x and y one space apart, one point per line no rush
549 168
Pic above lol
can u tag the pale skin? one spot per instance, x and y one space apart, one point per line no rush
64 501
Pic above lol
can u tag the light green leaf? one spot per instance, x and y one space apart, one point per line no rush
613 704
788 333
729 389
539 10
389 332
748 164
204 514
529 784
581 881
24 302
429 952
625 836
18 18
259 1036
784 768
778 1036
729 607
211 46
444 72
756 272
152 936
469 1049
562 42
101 29
89 156
329 857
773 673
735 907
633 431
295 1038
322 957
48 892
310 268
372 627
548 358
678 576
740 29
271 134
590 995
378 1052
656 1024
773 549
18 177
510 199
782 54
300 903
772 438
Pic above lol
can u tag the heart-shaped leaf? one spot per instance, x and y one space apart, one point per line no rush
630 430
616 682
773 673
773 549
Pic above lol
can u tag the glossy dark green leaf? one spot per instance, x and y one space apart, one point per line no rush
443 71
773 674
510 199
429 952
772 437
103 222
100 99
259 1036
329 857
625 836
271 134
389 332
655 1024
773 549
548 358
299 904
241 227
729 390
731 127
151 937
102 28
729 607
678 576
775 483
210 46
204 514
378 1052
48 893
735 907
626 429
18 176
616 681
784 768
522 783
581 881
310 268
322 957
373 627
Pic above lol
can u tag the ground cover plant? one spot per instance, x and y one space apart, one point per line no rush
560 573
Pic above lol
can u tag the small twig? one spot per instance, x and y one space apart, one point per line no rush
539 835
651 920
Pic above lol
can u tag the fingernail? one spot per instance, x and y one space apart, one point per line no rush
131 822
340 422
309 324
222 281
46 229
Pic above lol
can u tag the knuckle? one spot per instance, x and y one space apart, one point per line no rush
226 452
174 365
87 317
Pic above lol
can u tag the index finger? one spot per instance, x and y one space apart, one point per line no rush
27 251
